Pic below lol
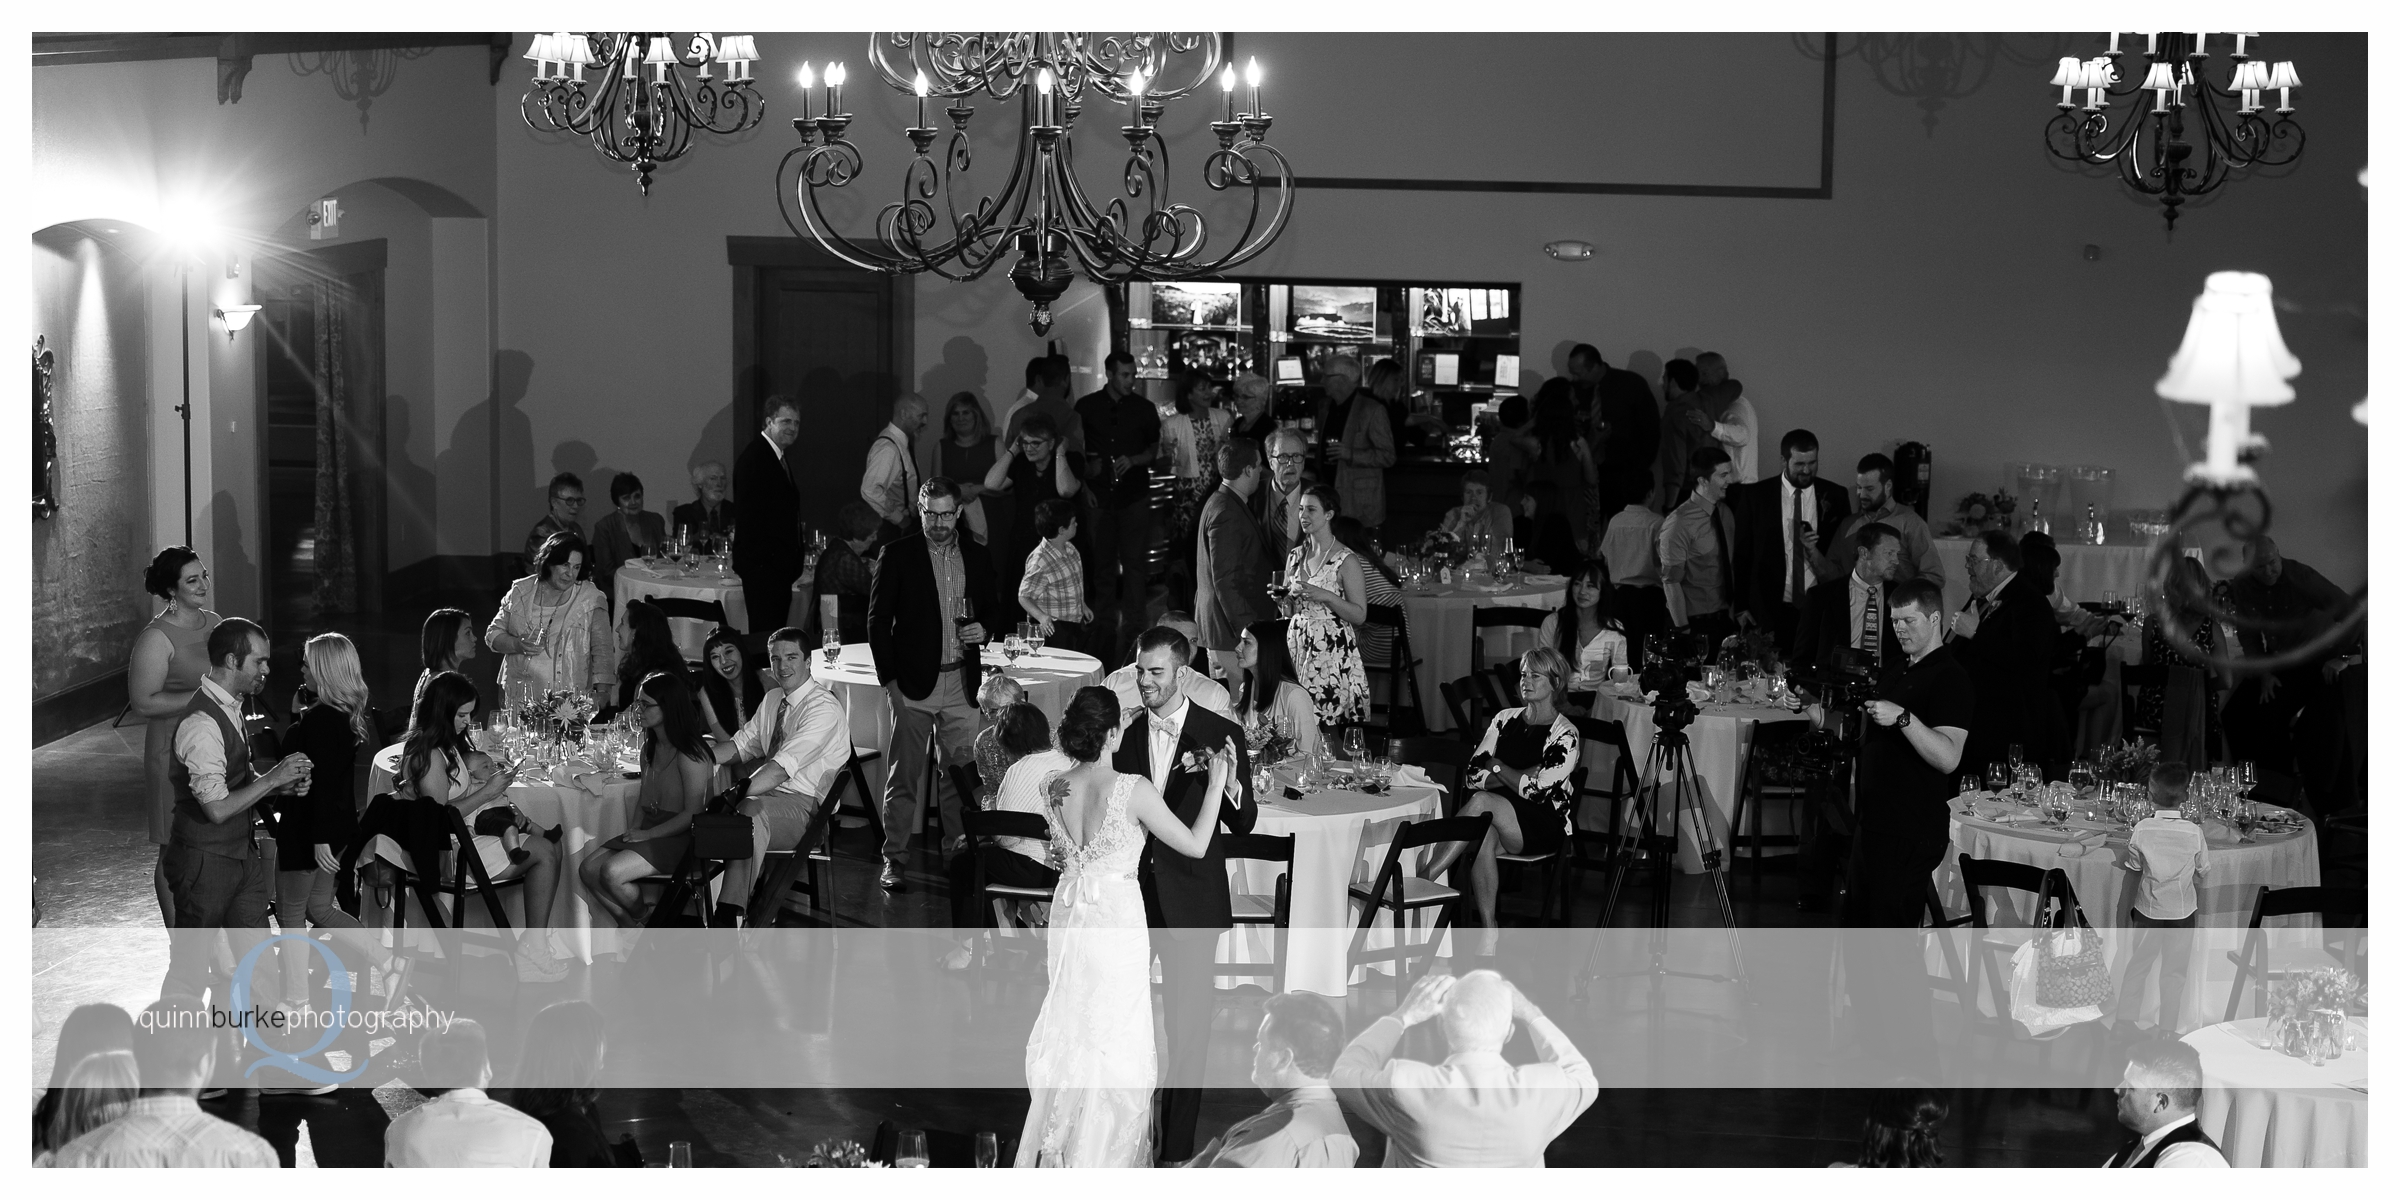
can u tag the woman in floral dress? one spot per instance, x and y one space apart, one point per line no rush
1329 602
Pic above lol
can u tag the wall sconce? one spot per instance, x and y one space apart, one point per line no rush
1569 251
237 317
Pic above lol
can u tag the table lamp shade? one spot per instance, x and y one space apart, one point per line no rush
2232 351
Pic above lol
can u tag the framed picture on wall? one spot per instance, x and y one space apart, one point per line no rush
1196 305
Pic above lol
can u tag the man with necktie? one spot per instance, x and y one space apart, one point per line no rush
1782 527
2004 638
799 738
1847 621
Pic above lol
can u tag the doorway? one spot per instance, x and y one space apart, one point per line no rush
323 401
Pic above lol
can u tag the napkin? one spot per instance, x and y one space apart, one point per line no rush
575 773
2080 844
1698 693
1545 580
1413 775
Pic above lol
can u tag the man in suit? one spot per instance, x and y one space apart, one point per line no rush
1233 565
1474 1108
2159 1100
1848 620
1781 529
711 509
1184 898
1298 1041
1620 412
1276 503
766 509
921 624
2004 637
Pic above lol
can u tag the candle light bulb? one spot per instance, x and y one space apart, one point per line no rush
836 75
1044 81
808 77
1226 80
1255 73
923 88
1134 84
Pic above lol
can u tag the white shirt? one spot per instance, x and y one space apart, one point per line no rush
200 743
1191 684
772 446
2171 853
2181 1154
1806 498
465 1128
1165 730
1738 435
889 484
1021 791
815 737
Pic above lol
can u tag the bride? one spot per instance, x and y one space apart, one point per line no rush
1091 1060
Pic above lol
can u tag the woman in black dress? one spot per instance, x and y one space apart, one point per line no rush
558 1082
1523 775
313 828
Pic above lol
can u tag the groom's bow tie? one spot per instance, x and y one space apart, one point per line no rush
1159 725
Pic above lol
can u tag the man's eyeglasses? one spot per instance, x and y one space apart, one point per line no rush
1287 458
939 514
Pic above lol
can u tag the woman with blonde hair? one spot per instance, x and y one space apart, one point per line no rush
312 828
1523 776
99 1089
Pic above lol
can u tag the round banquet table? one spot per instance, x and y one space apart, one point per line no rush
1441 619
1338 837
2088 853
643 579
1050 678
2267 1109
2084 572
1720 741
598 807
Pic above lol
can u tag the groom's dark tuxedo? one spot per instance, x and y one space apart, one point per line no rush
1188 906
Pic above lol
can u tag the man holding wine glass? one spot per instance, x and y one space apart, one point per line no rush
922 628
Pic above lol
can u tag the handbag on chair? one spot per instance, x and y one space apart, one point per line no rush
721 833
2070 972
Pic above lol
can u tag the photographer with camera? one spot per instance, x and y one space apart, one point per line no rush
1916 730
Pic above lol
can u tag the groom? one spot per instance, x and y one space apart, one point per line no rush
1185 898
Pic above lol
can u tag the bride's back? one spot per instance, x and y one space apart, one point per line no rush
1081 797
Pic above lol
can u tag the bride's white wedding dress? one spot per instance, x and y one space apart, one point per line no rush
1091 1060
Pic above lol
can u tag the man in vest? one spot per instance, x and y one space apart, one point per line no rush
215 872
2158 1101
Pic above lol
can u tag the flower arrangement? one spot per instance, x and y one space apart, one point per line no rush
1978 512
2128 761
566 707
841 1153
2308 1012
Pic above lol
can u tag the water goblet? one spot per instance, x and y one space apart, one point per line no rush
912 1150
833 646
987 1149
1354 743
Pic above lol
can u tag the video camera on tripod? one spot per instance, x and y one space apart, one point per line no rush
1843 689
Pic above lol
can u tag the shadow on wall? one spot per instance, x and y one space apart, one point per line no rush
235 572
964 368
497 432
411 521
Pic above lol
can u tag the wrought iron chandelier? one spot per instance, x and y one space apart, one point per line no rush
1042 214
637 121
2160 152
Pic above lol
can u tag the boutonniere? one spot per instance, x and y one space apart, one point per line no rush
1192 761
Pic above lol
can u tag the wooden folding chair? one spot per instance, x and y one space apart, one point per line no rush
1399 894
2252 960
1274 910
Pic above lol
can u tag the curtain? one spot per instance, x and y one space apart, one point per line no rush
336 526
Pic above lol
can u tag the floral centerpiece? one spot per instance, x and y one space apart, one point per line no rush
1978 512
557 711
2308 1012
2128 761
841 1153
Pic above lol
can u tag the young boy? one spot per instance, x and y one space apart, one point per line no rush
1052 589
2171 853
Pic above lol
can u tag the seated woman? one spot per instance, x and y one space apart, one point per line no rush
446 643
677 770
1019 734
1265 687
729 691
645 646
993 758
435 766
625 533
1523 776
1586 632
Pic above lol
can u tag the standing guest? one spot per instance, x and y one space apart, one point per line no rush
1049 379
965 453
1477 522
1253 409
729 691
1416 416
803 738
1358 435
1264 688
162 674
2291 604
89 1030
677 770
2003 637
1232 564
1917 730
1475 1108
1027 395
315 826
1616 404
625 533
1564 460
2187 591
174 1054
1523 775
645 644
1018 735
1302 1126
565 516
1693 551
1329 595
1194 431
1586 632
463 1127
1780 531
1847 621
2159 1100
436 766
1736 419
1277 505
1034 466
1879 504
558 1082
890 478
1374 641
845 574
553 629
923 623
711 511
1051 592
447 642
215 873
1903 1129
1190 681
1122 427
1684 426
766 505
1629 548
98 1088
1508 449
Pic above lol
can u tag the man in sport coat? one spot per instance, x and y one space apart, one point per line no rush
766 517
1768 585
2004 638
1233 567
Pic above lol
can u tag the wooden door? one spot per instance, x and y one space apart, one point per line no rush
834 337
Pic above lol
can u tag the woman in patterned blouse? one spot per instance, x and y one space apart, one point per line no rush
1523 776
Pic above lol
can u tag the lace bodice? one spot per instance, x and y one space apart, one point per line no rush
1115 849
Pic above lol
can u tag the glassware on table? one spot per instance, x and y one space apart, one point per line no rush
1968 785
2016 755
679 1154
1995 778
912 1150
833 645
2083 775
987 1149
1354 743
1620 675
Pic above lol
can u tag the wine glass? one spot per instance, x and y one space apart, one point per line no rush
987 1149
833 645
2016 756
1034 637
679 1154
1354 744
1995 778
912 1150
2083 776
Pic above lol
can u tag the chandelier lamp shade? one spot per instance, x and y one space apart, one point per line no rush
629 92
2188 135
1042 221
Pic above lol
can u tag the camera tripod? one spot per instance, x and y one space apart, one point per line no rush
1653 805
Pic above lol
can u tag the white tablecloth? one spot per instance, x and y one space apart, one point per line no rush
2227 894
2084 572
1440 620
1050 678
636 581
1340 837
588 816
1720 742
2267 1109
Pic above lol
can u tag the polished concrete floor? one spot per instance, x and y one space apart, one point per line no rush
93 862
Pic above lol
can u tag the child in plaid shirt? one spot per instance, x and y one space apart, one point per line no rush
1052 590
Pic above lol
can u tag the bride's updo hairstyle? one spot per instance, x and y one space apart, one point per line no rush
1090 718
